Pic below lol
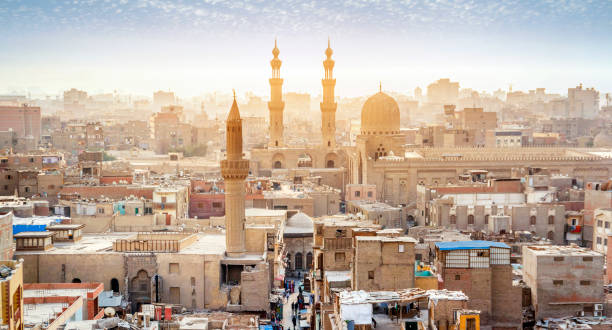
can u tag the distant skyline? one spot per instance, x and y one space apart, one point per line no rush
194 47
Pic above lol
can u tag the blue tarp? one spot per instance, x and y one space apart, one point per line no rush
21 228
265 327
469 245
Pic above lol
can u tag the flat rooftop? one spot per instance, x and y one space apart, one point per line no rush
562 250
210 244
402 239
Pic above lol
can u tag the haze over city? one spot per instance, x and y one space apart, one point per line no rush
305 165
194 47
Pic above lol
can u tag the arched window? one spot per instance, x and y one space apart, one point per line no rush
532 220
551 219
299 261
278 164
486 219
470 219
309 260
330 164
114 283
550 235
453 219
76 280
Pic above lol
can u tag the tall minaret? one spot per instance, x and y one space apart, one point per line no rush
276 104
234 170
328 106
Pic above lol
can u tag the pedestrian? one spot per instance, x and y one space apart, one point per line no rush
293 320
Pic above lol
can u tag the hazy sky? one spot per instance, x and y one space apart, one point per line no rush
193 47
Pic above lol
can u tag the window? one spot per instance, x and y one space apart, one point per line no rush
482 253
470 219
200 205
453 219
100 210
587 258
605 241
486 219
532 220
31 160
558 258
598 240
457 277
557 282
551 219
607 225
370 194
401 248
173 268
216 204
193 283
27 189
585 282
5 187
8 177
357 193
339 256
370 275
599 223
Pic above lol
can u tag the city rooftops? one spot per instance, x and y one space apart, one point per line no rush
470 245
562 250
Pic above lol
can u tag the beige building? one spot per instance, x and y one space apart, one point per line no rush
297 244
383 263
564 280
11 295
171 202
602 223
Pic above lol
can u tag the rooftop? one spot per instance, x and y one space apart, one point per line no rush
469 245
209 244
562 250
403 239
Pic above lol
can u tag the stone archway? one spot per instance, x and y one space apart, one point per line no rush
305 160
331 160
278 161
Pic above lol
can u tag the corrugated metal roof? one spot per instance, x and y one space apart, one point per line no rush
469 245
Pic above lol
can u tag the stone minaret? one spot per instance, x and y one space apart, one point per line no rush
276 104
328 106
234 170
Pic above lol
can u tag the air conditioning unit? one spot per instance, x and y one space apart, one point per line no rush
599 307
597 313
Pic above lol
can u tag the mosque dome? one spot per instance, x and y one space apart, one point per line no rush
298 224
380 115
603 139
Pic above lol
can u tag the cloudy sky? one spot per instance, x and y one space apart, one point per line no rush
194 47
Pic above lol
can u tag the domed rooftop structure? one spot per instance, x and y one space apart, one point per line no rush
299 225
603 139
380 115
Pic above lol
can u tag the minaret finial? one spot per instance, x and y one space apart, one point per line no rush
233 90
328 42
275 42
380 86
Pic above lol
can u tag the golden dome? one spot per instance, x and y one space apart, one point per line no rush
380 115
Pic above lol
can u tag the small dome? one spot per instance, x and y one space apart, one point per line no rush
603 139
300 223
380 115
